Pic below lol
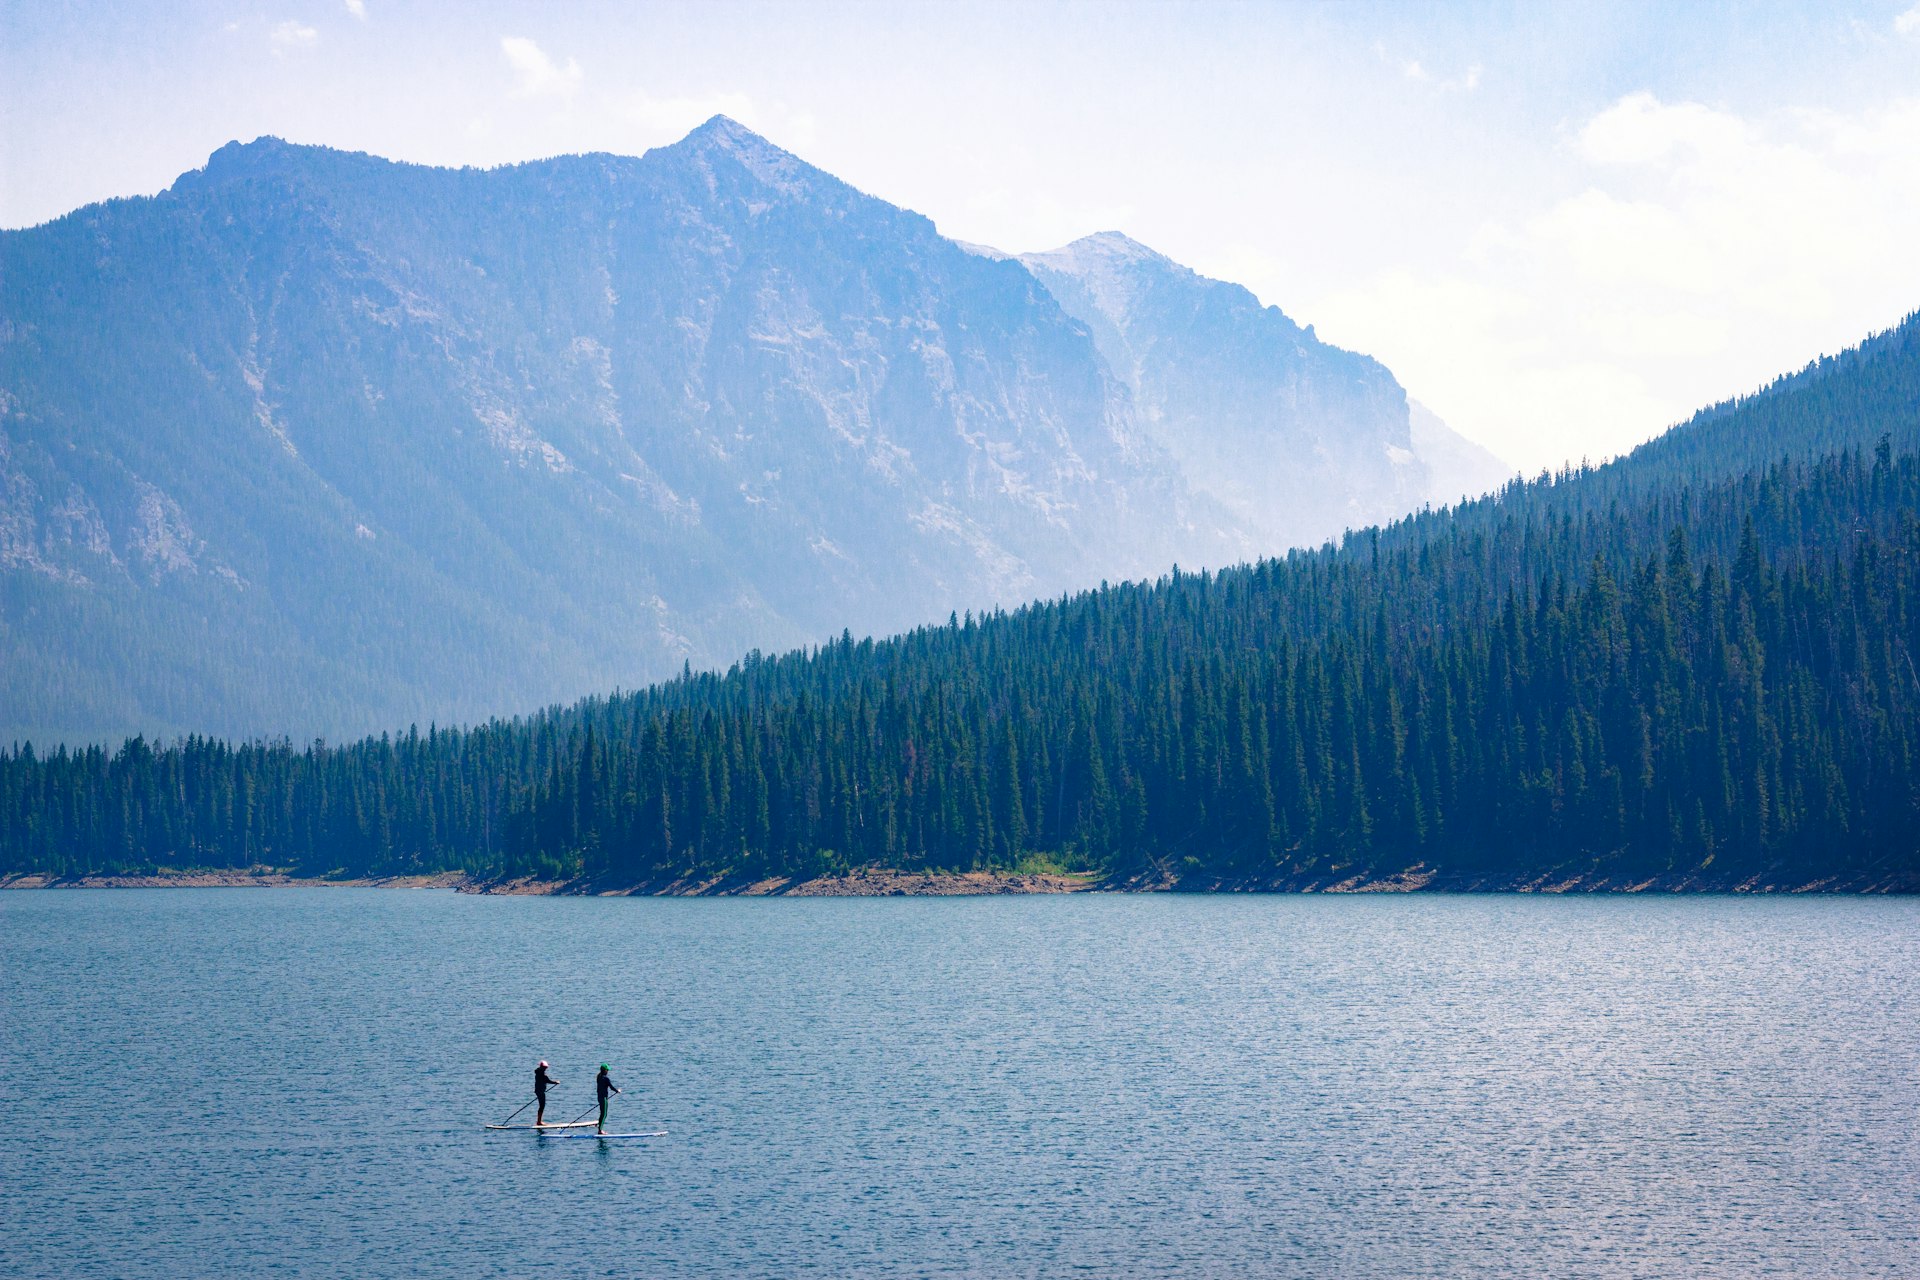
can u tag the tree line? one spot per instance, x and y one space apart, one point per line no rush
1708 684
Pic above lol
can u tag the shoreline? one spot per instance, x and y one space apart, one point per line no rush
888 883
266 878
866 884
871 883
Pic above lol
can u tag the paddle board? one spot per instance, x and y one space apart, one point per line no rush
577 1124
607 1137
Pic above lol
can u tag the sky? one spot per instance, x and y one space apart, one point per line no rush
1563 226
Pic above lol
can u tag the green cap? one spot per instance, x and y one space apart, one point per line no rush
605 1067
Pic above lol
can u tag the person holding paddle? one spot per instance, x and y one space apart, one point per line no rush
541 1082
602 1086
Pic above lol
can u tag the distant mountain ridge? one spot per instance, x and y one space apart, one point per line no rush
315 442
1298 439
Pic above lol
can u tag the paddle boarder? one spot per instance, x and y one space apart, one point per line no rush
602 1086
541 1081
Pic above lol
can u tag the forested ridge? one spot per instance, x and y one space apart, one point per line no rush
1646 673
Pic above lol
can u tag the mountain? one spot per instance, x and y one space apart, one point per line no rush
1299 439
1664 673
316 443
321 442
1457 468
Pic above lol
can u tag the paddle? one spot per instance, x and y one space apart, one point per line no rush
582 1116
522 1107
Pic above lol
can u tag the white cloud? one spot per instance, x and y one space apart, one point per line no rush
292 35
1640 129
1908 23
536 74
1700 253
358 8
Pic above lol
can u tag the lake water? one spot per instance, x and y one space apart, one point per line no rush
293 1082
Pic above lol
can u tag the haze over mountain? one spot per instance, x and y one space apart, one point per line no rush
318 443
1296 438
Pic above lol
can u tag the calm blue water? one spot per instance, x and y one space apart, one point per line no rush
293 1082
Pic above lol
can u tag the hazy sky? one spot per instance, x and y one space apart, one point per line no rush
1562 226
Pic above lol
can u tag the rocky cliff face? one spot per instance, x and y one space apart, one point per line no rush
318 443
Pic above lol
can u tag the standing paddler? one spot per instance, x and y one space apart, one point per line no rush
602 1086
541 1082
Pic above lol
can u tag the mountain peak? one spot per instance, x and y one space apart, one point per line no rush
1116 244
270 156
722 133
723 141
1103 248
238 155
723 126
265 156
1110 267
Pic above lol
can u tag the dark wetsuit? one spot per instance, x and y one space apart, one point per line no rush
602 1086
541 1082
